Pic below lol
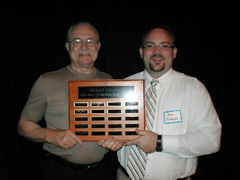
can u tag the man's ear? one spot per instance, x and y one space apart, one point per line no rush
175 52
98 45
141 52
67 46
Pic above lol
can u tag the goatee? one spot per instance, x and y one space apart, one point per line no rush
152 68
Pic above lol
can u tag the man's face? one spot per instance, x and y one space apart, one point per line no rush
158 60
83 54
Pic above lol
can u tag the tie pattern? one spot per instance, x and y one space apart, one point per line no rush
150 104
138 159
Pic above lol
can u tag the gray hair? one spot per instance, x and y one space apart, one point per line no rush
83 23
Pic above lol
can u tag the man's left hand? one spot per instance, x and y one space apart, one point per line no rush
147 141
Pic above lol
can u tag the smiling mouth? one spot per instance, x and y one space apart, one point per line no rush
84 54
157 58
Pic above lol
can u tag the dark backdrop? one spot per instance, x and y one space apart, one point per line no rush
33 40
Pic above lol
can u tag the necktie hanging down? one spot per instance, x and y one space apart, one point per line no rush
138 159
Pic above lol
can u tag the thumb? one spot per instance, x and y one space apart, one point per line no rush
129 143
132 142
140 132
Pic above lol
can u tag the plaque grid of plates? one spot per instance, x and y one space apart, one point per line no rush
99 109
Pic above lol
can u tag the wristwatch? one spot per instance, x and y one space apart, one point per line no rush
159 147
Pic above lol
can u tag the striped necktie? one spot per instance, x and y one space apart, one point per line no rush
138 159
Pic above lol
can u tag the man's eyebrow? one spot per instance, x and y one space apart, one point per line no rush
164 42
82 38
149 42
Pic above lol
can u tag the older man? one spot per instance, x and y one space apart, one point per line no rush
181 120
67 156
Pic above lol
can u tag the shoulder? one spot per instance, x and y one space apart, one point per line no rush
56 78
139 75
55 74
103 75
186 83
186 79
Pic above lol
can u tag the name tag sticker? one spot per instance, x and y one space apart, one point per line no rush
174 116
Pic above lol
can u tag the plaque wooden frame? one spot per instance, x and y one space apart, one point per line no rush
100 109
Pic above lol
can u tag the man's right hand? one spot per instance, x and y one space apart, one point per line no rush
32 131
63 138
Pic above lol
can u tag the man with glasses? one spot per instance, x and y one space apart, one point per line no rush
67 157
181 121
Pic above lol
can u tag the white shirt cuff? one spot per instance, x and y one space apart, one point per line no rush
170 143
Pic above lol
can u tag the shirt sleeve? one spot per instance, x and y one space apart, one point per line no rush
35 107
204 133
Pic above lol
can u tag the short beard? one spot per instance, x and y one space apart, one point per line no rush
151 67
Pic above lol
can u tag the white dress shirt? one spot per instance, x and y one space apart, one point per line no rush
188 122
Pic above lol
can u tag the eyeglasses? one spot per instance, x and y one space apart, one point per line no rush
163 46
79 42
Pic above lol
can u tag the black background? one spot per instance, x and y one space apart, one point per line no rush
33 37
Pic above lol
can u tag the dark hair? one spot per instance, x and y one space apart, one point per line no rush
165 27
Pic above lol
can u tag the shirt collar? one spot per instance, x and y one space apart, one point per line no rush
87 76
164 81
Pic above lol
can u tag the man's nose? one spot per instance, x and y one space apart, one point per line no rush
84 45
157 49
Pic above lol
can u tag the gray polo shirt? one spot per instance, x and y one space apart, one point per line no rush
49 98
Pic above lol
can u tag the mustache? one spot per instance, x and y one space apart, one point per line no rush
158 55
84 53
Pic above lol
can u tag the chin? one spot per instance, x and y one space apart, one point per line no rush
156 69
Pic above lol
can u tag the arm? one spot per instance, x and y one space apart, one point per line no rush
32 131
34 110
204 131
203 135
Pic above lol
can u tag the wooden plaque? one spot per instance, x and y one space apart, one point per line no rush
100 109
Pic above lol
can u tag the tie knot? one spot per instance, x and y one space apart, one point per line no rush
154 82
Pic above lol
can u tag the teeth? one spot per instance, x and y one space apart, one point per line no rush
84 54
157 57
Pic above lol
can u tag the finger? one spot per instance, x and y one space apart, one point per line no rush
80 141
141 132
65 147
108 142
76 138
100 142
114 146
112 143
129 143
117 146
72 142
